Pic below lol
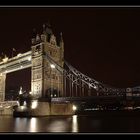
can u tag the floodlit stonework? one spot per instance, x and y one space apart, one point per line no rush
47 81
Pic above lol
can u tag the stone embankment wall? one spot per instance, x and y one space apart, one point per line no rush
6 111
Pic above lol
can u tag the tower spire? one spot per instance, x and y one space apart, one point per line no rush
61 37
44 28
61 40
48 28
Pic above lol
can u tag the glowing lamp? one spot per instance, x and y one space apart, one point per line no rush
52 66
74 108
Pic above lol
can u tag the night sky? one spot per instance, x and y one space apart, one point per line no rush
103 43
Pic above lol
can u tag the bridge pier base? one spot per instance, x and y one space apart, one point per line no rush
44 109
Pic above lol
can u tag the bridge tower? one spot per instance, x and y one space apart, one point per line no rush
2 86
46 80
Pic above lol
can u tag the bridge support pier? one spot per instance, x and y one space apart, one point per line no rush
45 109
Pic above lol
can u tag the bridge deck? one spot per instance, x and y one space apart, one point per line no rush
92 98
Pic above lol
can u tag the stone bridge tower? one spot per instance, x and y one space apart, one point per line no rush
46 80
2 86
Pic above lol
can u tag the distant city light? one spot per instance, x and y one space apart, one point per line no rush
52 66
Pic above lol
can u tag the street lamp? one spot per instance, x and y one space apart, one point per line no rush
52 66
29 58
74 108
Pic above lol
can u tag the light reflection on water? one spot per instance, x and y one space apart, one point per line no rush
57 126
20 124
33 125
72 124
46 124
25 124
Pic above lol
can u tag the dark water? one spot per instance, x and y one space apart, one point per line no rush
72 124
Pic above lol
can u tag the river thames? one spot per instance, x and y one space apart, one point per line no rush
70 124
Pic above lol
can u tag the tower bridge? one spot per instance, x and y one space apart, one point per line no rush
53 77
